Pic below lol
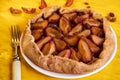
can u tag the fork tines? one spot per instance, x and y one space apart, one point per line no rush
15 32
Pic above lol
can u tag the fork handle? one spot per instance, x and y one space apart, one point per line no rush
16 70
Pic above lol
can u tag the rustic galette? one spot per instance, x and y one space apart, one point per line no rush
69 41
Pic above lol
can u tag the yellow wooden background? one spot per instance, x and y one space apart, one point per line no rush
111 72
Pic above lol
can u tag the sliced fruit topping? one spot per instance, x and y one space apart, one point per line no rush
70 16
39 25
85 33
76 29
60 44
84 50
54 18
37 33
43 41
91 22
48 48
92 46
64 25
78 55
97 40
65 53
76 35
74 55
97 31
53 33
79 19
72 40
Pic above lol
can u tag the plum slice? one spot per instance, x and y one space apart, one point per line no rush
73 55
79 19
69 3
60 44
53 32
84 50
43 41
97 40
29 10
91 22
64 25
85 33
54 18
43 4
39 25
72 40
48 48
65 53
37 33
15 11
76 29
70 16
94 49
97 31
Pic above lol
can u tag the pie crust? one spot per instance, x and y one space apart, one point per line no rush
62 64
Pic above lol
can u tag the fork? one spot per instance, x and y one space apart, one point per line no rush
16 65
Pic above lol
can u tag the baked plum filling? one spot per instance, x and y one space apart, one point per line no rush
76 35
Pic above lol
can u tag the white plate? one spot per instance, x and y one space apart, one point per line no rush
68 76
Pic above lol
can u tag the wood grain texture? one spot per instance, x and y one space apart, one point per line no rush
111 72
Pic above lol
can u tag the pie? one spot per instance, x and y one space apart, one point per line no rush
71 41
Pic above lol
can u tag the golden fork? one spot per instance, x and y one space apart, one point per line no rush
16 66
